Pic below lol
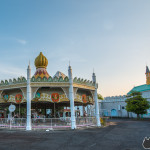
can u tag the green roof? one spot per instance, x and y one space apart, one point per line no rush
140 88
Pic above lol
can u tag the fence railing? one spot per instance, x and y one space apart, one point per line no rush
47 123
51 123
13 123
85 121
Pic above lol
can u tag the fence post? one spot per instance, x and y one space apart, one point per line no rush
10 124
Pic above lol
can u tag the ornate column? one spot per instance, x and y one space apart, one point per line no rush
71 98
96 101
28 124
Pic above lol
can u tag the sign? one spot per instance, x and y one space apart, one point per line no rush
66 110
18 98
84 98
55 97
6 97
12 108
38 95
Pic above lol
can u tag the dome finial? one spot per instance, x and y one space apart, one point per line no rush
41 61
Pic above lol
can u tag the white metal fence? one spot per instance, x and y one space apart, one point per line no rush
43 123
13 123
85 121
47 123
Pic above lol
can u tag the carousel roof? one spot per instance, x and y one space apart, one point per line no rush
59 74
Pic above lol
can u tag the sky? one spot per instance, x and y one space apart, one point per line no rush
111 36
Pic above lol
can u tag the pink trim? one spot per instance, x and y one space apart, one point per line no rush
40 127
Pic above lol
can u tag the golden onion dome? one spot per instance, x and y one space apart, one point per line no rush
41 61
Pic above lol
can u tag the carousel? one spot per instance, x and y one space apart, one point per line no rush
44 92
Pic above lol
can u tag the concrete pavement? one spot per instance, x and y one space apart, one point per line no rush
120 135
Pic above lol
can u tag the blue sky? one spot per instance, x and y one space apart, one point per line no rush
111 36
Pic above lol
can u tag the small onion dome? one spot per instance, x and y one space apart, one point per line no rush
41 61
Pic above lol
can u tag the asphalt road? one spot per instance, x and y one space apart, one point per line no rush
121 135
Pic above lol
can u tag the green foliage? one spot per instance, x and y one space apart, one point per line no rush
136 103
100 96
103 121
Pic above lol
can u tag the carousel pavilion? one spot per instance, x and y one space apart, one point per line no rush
42 91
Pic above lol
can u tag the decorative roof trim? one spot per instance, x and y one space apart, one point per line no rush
14 81
82 81
47 80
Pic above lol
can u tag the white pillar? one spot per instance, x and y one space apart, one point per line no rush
96 102
28 123
71 98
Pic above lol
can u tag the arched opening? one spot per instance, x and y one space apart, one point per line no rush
15 97
48 101
113 113
84 101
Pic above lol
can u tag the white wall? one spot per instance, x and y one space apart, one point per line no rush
114 102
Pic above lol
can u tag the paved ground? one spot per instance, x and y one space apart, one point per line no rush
125 135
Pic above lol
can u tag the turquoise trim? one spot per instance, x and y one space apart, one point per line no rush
140 88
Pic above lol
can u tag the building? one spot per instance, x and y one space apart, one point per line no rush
42 91
115 106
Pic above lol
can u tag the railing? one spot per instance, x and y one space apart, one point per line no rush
13 123
85 121
52 123
47 123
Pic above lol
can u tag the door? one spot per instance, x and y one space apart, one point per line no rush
113 112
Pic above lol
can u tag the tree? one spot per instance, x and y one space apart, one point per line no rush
136 103
100 96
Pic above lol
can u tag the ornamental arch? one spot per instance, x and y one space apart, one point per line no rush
84 96
50 94
12 96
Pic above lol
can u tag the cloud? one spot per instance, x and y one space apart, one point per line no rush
14 39
21 41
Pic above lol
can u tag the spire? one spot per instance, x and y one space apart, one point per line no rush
70 73
94 77
147 76
147 70
29 65
93 71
